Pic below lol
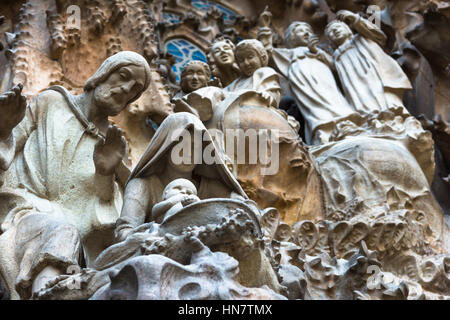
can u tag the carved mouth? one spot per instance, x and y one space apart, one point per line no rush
225 57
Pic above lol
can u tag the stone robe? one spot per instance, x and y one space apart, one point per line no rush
212 181
264 79
372 80
52 197
315 90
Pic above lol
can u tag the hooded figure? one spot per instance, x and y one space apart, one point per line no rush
156 169
55 200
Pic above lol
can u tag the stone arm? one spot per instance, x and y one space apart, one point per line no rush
269 88
16 124
369 30
161 208
326 58
276 97
15 142
265 34
318 53
363 26
109 166
122 173
136 203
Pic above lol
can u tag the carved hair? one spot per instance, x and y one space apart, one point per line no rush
289 35
257 46
221 39
205 67
114 63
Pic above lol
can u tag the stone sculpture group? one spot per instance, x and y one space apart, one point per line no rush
78 222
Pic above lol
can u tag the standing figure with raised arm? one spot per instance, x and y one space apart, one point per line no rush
62 193
311 81
372 80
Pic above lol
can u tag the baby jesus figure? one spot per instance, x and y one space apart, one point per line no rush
176 195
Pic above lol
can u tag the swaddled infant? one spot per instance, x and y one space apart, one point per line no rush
176 195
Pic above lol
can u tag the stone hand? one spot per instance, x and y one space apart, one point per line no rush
346 16
189 199
312 43
122 234
215 82
266 96
265 19
109 153
12 110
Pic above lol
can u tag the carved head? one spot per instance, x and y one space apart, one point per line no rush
297 34
120 80
250 56
194 76
222 52
179 186
338 32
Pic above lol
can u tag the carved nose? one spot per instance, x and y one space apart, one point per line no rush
126 88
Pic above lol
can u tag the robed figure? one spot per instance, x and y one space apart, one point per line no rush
372 80
61 194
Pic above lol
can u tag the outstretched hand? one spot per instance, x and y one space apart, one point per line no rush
267 97
109 153
12 110
313 41
265 19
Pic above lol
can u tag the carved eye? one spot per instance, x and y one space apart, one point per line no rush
124 74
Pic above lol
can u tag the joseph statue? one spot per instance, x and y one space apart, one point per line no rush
63 174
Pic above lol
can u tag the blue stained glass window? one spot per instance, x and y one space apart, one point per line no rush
228 15
183 51
171 17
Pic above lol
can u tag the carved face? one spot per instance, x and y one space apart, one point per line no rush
339 32
113 94
180 188
194 78
301 35
223 54
248 60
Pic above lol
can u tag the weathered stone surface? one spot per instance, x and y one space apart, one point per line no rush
124 174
